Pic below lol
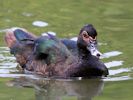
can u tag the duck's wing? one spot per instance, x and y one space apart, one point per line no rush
21 43
51 46
20 35
23 36
71 45
51 51
45 55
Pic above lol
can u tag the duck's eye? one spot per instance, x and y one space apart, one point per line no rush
92 38
85 35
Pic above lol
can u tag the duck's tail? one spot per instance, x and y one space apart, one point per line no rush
21 43
14 35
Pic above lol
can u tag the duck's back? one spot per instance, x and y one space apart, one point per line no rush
71 45
57 57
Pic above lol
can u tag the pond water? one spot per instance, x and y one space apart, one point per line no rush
113 21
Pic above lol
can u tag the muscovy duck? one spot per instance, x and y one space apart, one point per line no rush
48 56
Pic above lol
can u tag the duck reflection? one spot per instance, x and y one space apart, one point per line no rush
51 89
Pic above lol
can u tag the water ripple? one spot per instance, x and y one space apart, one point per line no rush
118 71
110 54
114 64
40 23
121 78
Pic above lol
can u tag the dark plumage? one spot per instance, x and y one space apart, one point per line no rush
86 31
48 56
71 45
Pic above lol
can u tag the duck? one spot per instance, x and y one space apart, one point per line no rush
50 57
90 31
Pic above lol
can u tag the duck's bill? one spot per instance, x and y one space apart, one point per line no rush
92 47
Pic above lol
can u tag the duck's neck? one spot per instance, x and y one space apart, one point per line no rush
83 53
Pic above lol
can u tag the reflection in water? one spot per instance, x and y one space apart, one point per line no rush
40 23
7 62
50 89
120 78
110 54
114 64
120 70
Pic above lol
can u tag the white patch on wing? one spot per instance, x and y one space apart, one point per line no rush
44 34
52 33
74 39
49 32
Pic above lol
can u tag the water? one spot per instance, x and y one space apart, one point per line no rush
58 89
64 18
40 23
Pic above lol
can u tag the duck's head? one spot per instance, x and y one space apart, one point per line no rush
87 40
